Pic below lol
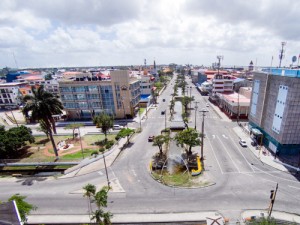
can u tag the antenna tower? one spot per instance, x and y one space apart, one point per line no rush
281 54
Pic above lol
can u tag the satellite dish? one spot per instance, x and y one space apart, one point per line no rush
294 59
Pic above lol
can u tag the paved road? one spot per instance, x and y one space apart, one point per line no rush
242 181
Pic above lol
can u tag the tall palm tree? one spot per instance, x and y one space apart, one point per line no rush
90 191
43 105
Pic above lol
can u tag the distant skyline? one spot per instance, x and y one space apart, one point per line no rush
70 33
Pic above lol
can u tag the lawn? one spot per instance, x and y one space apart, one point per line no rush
42 149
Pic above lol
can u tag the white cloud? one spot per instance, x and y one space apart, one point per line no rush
116 32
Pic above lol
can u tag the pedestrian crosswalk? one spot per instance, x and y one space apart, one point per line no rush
168 116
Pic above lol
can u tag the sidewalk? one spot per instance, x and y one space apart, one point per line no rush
136 218
266 157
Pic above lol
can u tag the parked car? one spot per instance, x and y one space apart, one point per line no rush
243 143
207 105
151 138
163 112
117 127
164 100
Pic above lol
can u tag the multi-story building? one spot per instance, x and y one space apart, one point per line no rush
275 109
87 95
222 83
10 96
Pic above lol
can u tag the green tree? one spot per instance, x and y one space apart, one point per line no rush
159 141
43 105
100 199
105 122
13 139
188 138
185 100
90 190
73 127
125 132
24 207
43 128
99 215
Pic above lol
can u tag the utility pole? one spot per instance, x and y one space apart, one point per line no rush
165 120
281 54
80 142
272 197
108 183
190 97
238 108
140 116
196 108
202 136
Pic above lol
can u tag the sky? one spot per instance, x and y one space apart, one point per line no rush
71 33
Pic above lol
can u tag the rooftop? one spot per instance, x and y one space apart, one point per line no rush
282 72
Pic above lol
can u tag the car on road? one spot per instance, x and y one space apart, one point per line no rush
164 100
151 138
163 112
207 105
243 143
117 127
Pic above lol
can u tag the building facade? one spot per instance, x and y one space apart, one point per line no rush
275 109
10 95
87 95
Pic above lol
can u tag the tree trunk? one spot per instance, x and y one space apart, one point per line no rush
53 143
53 124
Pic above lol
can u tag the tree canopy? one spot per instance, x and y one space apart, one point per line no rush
159 141
188 138
43 105
100 199
24 207
12 140
105 122
125 132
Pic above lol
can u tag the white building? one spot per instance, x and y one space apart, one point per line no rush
10 96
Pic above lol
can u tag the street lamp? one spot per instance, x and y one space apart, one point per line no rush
165 119
202 135
124 112
190 96
196 108
80 142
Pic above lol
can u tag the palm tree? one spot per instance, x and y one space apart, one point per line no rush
99 215
104 121
43 105
90 191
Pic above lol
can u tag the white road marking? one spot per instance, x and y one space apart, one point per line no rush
134 173
100 173
294 187
242 154
229 155
224 136
215 155
214 136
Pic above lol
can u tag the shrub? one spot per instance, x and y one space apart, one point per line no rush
102 149
94 153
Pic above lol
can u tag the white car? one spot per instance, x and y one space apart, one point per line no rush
117 127
207 105
243 143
